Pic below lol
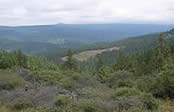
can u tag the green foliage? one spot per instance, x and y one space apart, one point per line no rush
146 83
40 63
70 63
7 60
163 52
20 104
124 63
46 76
125 91
17 58
145 62
104 74
30 110
21 59
62 101
69 79
9 80
134 109
149 102
165 85
100 64
131 84
87 105
121 79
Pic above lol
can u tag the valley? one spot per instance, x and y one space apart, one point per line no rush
86 56
48 39
128 75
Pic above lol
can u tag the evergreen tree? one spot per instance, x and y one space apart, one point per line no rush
124 62
163 52
70 63
145 62
102 71
21 59
7 60
100 64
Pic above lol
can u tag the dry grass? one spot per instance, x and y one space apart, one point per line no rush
84 56
5 109
166 105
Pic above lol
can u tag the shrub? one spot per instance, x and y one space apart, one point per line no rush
69 79
62 101
125 91
9 80
90 92
121 79
149 102
131 98
125 83
87 105
47 76
20 104
145 83
134 109
165 83
29 110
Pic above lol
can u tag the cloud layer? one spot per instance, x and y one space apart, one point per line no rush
30 12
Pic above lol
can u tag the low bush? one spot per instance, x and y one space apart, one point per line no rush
62 101
125 91
149 102
87 105
121 79
145 83
20 104
9 80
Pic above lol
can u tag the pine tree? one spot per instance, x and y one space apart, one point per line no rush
123 62
163 52
100 64
21 59
70 63
102 71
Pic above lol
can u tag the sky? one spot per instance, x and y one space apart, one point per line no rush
34 12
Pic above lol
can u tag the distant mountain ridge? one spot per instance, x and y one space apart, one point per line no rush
79 32
56 39
171 31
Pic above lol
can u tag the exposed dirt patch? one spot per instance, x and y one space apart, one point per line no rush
84 56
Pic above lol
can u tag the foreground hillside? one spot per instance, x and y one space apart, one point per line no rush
134 83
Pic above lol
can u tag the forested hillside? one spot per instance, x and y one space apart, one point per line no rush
68 36
129 46
140 81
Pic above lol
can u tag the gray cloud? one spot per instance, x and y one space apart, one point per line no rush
29 12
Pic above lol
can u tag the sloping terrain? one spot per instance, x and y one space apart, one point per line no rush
85 55
83 32
47 39
129 46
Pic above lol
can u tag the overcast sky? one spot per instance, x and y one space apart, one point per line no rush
31 12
